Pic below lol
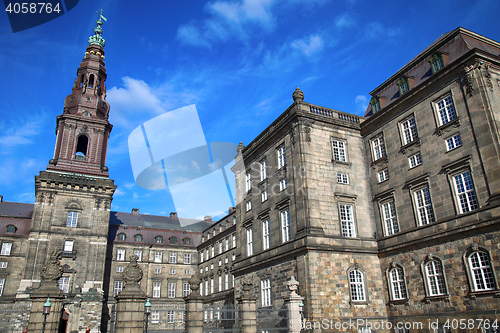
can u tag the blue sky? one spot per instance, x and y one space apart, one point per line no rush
238 61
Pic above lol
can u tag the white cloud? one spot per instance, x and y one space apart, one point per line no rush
19 135
344 20
119 192
376 30
188 34
308 45
361 102
129 185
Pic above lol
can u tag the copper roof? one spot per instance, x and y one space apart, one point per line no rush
16 209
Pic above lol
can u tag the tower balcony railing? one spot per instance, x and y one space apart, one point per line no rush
80 157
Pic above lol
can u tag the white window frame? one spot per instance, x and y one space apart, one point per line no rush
187 272
226 281
285 225
156 289
157 270
465 193
434 277
155 316
4 264
283 184
201 256
220 282
342 178
423 206
138 253
187 258
378 147
346 213
234 241
249 242
63 284
248 181
453 142
265 234
389 217
212 285
220 247
117 287
170 316
383 175
264 195
120 255
357 285
226 244
2 284
158 256
172 271
481 271
68 246
265 290
415 160
339 150
281 154
186 289
172 258
445 110
72 219
248 205
263 170
119 269
171 290
397 284
408 129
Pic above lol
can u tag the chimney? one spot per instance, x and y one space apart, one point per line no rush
1 198
208 218
135 211
232 210
173 215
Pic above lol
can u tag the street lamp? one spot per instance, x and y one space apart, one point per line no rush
147 310
46 311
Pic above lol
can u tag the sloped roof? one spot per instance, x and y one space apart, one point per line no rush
16 209
454 43
156 222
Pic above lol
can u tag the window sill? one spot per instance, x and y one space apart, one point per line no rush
429 299
405 301
452 149
352 303
416 166
69 254
410 146
382 160
280 172
485 293
447 127
341 162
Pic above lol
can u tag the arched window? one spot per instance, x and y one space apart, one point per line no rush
138 238
397 283
11 229
480 269
186 241
121 237
159 239
435 281
81 146
91 81
173 240
357 285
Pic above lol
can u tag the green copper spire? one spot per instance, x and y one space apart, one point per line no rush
97 39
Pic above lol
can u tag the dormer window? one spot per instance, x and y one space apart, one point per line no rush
11 229
404 85
138 238
375 103
173 240
122 237
437 62
159 239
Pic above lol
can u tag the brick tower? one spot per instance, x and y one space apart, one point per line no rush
73 198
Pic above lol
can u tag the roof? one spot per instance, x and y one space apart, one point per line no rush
156 222
454 44
16 209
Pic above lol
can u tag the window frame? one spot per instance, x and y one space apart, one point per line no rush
390 282
138 238
68 245
339 150
403 85
389 200
117 287
156 292
350 223
286 233
73 219
248 181
172 258
376 104
450 115
138 254
64 286
263 170
265 235
386 173
456 194
2 285
466 257
379 149
186 289
155 316
121 236
158 257
159 239
430 216
118 256
363 284
436 58
411 130
342 178
10 229
6 249
415 159
283 184
249 239
281 156
435 277
187 258
452 139
265 290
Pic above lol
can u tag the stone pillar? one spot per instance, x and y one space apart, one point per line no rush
194 307
51 273
130 301
248 308
292 302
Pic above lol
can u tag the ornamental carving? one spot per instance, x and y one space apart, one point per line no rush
132 274
246 285
293 134
52 271
469 77
487 76
293 285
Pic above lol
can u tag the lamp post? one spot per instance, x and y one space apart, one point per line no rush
301 310
147 310
46 311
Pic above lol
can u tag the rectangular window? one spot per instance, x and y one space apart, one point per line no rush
404 85
138 253
72 219
220 262
226 260
446 110
120 255
282 184
156 289
171 290
281 157
68 246
220 247
339 150
378 148
265 286
119 269
220 282
453 142
248 181
383 175
263 170
464 189
226 241
172 271
248 205
249 242
187 272
2 284
187 258
155 316
234 257
63 284
117 287
424 207
211 285
226 281
409 130
265 234
389 217
3 264
415 160
186 289
357 286
347 221
234 241
6 249
285 226
173 258
201 256
170 316
437 63
264 196
206 287
342 178
157 270
158 256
